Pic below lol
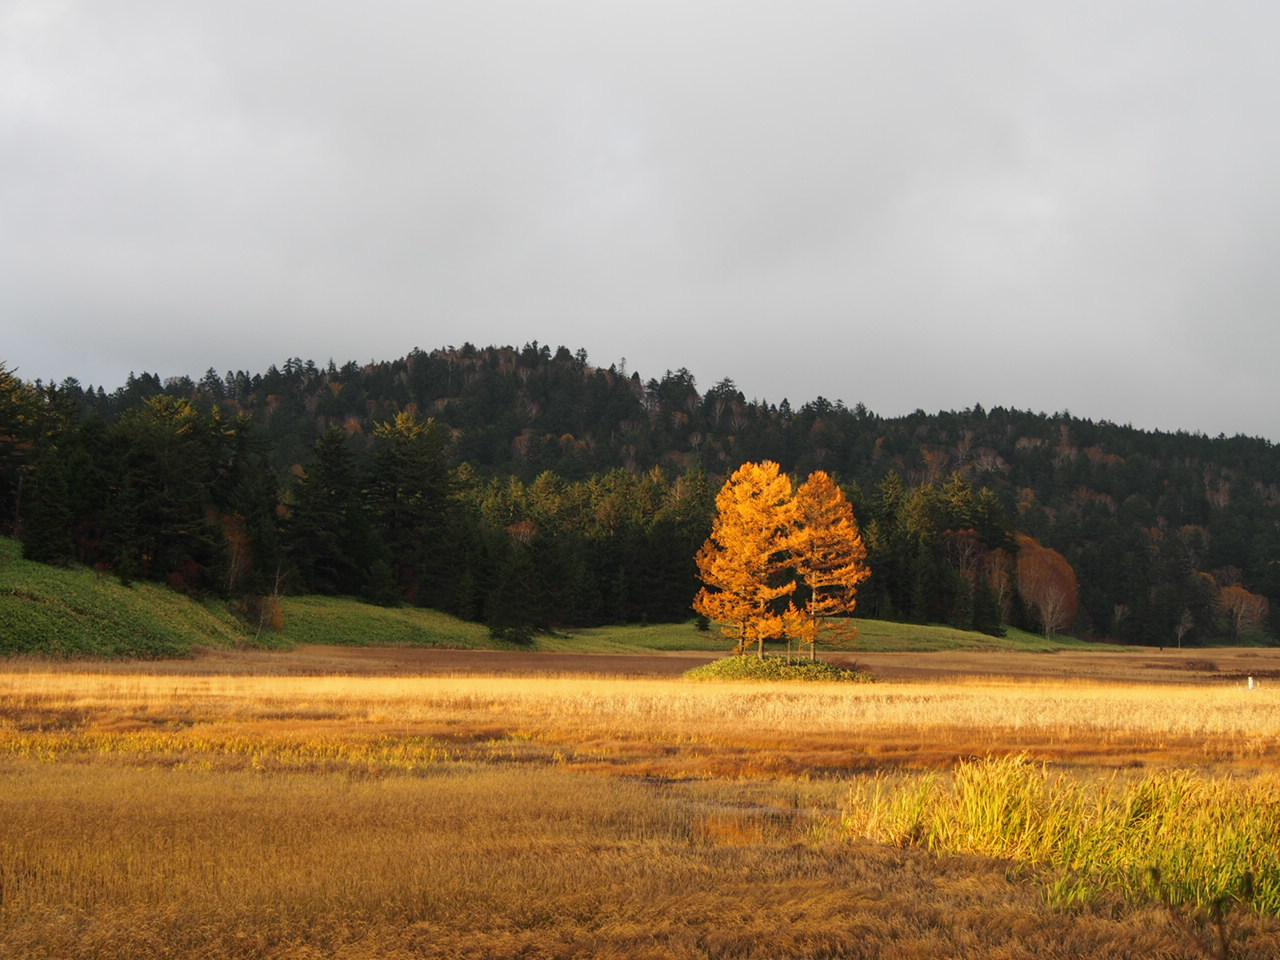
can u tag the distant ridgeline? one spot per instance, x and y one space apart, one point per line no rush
529 489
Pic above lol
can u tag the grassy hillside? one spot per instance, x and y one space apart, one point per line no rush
341 620
883 635
48 611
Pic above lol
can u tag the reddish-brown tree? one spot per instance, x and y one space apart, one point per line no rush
1047 585
1245 612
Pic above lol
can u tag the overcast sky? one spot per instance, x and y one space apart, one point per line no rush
1042 205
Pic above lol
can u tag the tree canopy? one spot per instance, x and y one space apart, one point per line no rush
827 553
769 543
744 561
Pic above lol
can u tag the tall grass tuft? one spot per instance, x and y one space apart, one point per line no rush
1200 835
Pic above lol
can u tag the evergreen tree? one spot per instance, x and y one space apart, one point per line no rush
330 540
408 501
248 496
46 527
987 617
962 601
165 453
512 609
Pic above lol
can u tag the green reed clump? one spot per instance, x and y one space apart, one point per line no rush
1200 834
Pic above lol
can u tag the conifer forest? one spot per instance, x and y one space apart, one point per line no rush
529 489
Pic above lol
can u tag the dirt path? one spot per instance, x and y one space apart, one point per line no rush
412 660
1219 665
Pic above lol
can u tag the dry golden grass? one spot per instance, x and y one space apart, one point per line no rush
181 816
475 862
660 727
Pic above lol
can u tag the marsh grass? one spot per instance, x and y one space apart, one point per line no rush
477 861
672 727
245 863
238 816
1200 834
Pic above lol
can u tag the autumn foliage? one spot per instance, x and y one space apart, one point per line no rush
1047 584
744 562
766 541
1245 612
829 556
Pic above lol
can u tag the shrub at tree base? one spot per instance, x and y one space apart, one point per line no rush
775 668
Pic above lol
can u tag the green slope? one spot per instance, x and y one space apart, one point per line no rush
341 620
884 635
49 611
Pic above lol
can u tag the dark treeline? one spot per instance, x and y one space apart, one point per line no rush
529 488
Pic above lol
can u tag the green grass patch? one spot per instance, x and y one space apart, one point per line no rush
885 636
632 638
873 636
55 612
344 621
880 636
1200 836
774 668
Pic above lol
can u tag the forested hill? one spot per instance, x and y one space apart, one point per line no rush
1171 536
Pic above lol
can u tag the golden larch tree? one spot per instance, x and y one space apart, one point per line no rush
744 562
827 552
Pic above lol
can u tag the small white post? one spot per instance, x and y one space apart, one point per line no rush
1251 683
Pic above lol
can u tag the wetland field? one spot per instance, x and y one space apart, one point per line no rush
397 803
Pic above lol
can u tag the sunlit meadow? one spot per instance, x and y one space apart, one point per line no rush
174 814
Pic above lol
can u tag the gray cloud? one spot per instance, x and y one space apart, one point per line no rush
1053 206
